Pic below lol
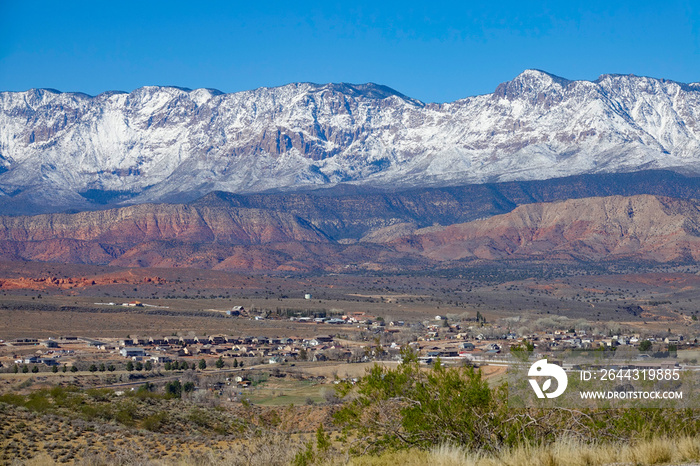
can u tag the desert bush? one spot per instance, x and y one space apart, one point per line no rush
154 422
410 407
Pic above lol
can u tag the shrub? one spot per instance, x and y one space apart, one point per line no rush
410 407
154 422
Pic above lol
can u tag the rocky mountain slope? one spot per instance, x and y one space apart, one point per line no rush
212 235
648 228
155 144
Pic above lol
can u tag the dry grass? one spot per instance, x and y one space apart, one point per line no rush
659 451
275 449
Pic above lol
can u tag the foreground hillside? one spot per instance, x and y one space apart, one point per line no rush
214 234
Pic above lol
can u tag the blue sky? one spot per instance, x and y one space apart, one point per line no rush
433 51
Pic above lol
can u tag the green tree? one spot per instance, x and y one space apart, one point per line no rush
167 366
111 368
64 368
25 369
220 363
74 368
235 362
149 365
54 369
184 366
138 366
202 364
522 351
188 387
645 345
173 389
35 369
15 369
102 367
129 366
92 368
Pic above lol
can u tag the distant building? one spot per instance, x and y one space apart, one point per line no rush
307 296
132 352
24 342
235 311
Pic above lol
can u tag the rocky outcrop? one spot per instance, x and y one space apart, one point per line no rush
137 224
639 228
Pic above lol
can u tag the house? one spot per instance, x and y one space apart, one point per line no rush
161 359
133 304
235 311
49 344
24 341
132 352
95 343
217 339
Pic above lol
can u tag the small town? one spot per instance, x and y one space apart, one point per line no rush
367 338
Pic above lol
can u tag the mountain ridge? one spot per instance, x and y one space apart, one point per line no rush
165 144
220 236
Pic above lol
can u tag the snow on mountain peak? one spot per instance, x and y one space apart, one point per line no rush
160 143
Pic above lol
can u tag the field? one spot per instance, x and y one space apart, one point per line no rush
274 413
43 300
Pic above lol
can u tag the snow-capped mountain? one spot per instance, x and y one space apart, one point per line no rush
58 150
